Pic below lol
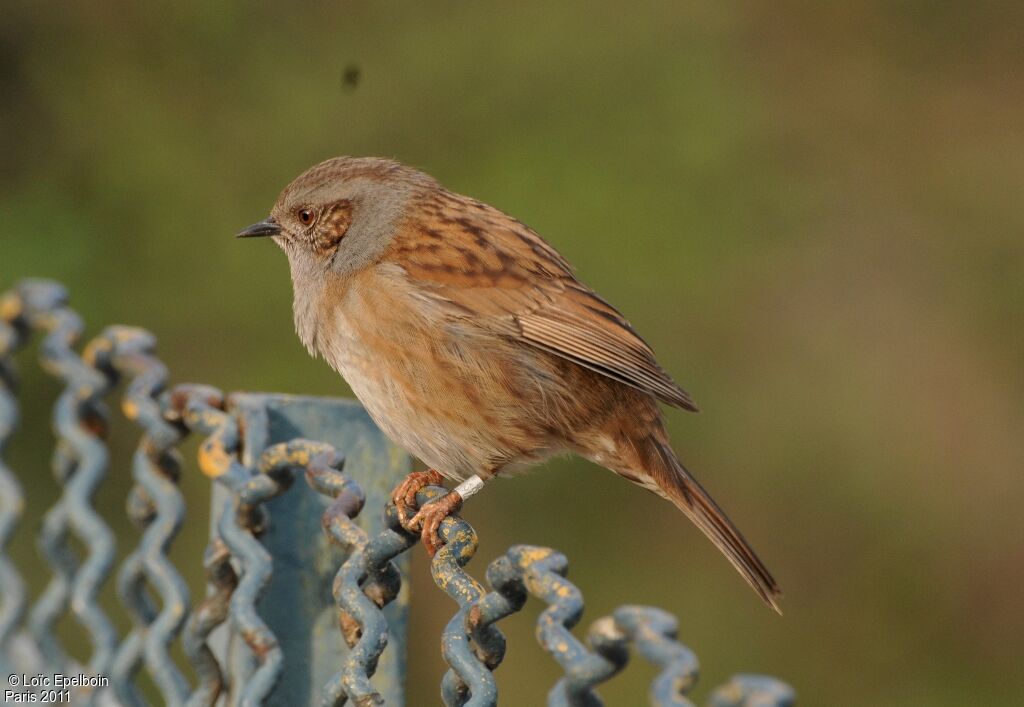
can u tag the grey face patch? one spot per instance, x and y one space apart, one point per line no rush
380 191
378 210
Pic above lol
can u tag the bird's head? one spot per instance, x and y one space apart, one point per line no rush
339 216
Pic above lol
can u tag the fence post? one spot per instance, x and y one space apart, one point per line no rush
297 604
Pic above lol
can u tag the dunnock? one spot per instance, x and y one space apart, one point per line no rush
472 345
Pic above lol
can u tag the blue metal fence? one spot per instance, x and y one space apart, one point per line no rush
304 601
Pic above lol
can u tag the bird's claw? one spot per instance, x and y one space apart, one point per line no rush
404 495
428 520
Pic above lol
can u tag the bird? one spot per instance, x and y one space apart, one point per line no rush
472 344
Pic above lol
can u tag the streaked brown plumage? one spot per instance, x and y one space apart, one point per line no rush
471 343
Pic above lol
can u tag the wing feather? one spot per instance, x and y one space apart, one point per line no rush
491 267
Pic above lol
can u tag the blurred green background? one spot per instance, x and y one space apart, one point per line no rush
813 212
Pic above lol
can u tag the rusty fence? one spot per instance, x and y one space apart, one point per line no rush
304 599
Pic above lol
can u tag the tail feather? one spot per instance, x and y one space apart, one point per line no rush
677 485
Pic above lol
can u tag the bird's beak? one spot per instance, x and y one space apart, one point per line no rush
266 227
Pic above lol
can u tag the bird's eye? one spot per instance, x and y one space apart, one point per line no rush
306 216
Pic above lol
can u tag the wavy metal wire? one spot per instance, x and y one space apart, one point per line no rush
356 616
201 410
653 632
221 581
469 682
157 506
753 691
238 567
650 631
200 406
367 580
13 597
80 464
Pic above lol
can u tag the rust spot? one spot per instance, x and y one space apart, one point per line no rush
130 409
10 307
259 643
475 616
95 424
351 631
214 460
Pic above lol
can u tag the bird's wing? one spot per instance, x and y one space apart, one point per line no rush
494 269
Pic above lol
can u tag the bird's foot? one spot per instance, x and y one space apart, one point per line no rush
404 495
428 519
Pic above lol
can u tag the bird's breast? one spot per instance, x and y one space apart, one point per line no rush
455 397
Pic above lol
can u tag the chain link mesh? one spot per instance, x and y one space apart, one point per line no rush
238 567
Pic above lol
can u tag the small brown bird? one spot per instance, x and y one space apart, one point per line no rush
472 345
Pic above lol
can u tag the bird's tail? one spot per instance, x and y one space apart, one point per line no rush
676 484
